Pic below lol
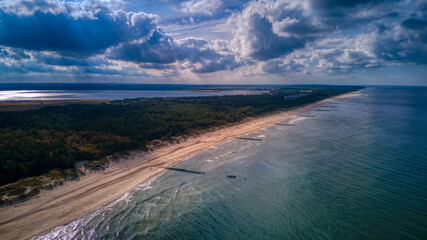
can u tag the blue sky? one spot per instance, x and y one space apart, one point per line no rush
214 41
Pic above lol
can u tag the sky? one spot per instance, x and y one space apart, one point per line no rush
360 42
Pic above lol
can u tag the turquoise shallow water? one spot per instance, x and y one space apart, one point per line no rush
356 171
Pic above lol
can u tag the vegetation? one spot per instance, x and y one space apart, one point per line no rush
35 142
31 186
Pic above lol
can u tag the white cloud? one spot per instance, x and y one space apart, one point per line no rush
274 38
270 29
77 9
200 7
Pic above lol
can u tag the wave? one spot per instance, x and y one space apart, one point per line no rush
295 120
73 229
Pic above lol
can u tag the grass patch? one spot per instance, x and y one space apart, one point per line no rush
28 187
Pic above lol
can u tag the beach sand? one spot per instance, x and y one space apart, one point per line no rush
52 208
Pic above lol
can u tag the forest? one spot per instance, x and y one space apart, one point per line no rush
56 137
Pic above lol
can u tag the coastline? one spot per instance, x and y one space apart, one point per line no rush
75 199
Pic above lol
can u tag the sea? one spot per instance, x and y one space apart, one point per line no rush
357 170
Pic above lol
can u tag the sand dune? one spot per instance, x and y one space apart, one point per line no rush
75 199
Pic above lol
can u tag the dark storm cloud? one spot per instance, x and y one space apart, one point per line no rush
157 49
163 49
156 66
302 29
341 3
72 36
57 60
415 24
406 42
222 63
104 71
345 15
73 31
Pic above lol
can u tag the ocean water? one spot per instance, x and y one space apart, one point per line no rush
356 171
45 95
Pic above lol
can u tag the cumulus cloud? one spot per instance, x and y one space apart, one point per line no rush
344 53
200 7
84 35
56 29
280 37
404 42
257 39
77 9
268 29
161 48
158 48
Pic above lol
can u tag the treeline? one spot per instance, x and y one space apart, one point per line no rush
34 142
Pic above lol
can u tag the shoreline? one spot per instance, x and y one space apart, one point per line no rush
52 208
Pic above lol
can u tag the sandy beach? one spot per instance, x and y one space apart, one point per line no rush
52 208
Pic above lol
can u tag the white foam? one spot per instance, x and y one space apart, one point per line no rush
293 121
70 230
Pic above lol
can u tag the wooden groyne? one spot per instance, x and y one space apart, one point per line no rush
184 170
329 106
252 139
285 124
307 116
